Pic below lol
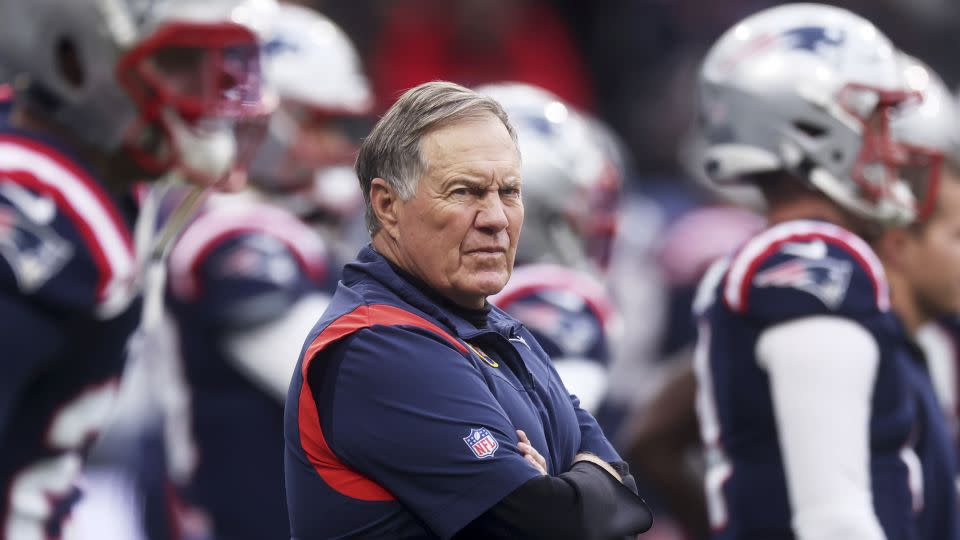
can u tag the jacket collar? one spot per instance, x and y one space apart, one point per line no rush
370 264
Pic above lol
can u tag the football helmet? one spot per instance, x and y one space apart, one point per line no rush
810 90
166 79
572 170
316 72
934 122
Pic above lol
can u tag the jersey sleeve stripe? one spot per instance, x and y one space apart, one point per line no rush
83 201
214 227
331 469
747 262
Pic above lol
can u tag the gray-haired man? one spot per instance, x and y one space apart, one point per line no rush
417 410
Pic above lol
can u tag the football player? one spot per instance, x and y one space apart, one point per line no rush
805 401
248 280
107 93
922 263
571 185
306 161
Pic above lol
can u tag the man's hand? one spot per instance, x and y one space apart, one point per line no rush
587 456
530 453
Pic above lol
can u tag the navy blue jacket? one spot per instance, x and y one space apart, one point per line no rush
402 415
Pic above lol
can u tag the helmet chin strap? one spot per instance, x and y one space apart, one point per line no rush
206 155
154 240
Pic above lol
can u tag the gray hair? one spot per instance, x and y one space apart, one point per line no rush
392 150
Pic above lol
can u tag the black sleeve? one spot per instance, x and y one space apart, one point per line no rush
586 503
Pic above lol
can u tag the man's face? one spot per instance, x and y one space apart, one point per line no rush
933 254
459 232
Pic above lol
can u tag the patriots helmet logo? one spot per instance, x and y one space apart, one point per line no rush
810 38
279 45
481 442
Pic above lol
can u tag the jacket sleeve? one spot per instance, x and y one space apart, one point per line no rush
585 503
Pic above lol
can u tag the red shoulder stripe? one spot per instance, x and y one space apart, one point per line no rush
746 263
333 471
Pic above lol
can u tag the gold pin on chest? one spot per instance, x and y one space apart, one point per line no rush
483 356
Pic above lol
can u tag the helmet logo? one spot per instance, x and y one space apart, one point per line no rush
279 45
809 38
804 38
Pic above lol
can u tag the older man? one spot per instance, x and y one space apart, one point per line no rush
417 410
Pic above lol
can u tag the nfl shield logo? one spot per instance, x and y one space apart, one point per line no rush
481 443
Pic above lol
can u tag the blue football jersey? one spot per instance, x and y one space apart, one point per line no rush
793 270
68 306
237 265
938 516
937 444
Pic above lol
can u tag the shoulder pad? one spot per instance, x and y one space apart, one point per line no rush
539 278
216 225
61 209
802 268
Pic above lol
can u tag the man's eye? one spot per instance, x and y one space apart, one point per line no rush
460 192
510 191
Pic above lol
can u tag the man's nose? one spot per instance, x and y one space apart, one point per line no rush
492 215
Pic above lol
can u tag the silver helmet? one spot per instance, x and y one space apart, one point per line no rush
165 78
572 170
932 123
317 74
809 89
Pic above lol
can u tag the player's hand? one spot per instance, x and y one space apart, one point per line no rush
530 453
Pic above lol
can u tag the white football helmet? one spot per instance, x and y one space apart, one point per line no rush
809 90
934 122
165 78
316 72
572 170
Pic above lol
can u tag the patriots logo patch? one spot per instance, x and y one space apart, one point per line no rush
34 252
481 443
826 278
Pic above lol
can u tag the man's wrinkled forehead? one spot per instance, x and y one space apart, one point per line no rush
460 144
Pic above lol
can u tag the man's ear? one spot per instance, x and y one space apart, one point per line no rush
386 205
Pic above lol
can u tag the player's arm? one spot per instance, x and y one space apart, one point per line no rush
267 352
588 377
822 370
260 302
29 339
426 399
661 438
